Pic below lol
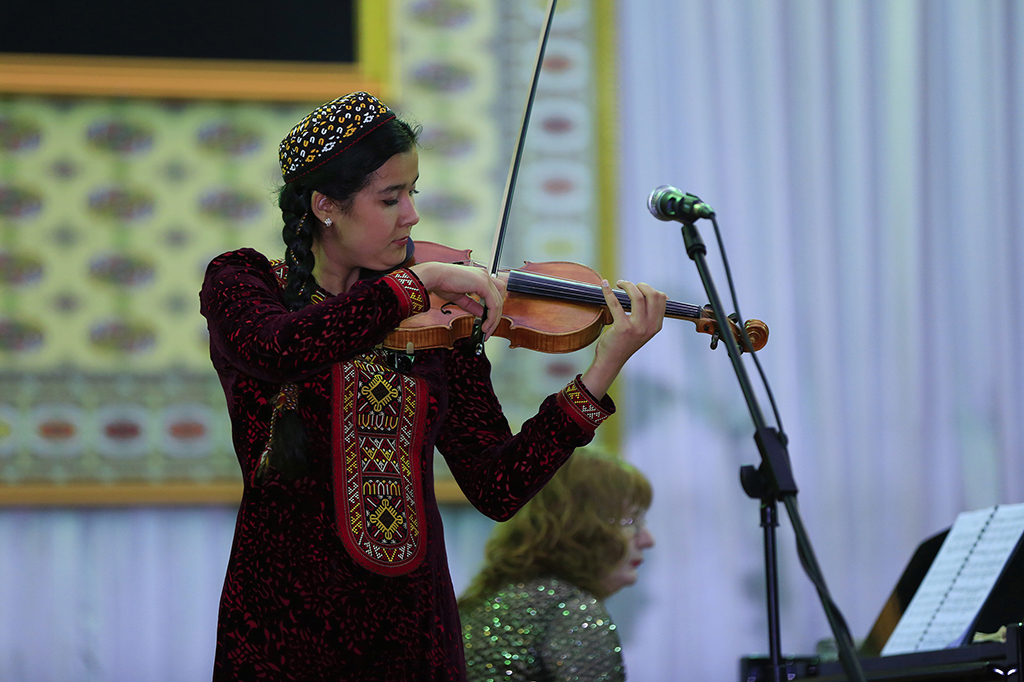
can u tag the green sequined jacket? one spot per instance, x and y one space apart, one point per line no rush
546 630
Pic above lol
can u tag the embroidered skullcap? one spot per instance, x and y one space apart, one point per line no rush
329 130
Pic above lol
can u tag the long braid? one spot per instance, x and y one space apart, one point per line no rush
287 448
297 234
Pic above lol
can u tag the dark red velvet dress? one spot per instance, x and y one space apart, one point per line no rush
342 574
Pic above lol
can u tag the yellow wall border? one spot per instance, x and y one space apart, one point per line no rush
606 79
374 45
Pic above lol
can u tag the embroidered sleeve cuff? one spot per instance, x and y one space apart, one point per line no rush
412 295
584 408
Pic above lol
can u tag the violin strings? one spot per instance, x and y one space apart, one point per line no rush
581 292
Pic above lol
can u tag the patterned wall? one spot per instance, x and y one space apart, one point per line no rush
109 213
111 209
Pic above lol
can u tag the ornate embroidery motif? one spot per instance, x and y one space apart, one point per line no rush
377 439
575 399
280 271
379 392
410 290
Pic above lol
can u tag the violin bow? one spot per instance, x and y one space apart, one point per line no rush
513 170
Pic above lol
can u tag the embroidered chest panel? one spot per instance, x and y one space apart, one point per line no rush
378 428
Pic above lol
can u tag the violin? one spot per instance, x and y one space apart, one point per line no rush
551 307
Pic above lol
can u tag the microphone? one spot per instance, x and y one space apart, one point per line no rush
668 203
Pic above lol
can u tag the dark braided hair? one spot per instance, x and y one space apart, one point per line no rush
298 233
340 179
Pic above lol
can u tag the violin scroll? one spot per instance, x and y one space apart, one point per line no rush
757 331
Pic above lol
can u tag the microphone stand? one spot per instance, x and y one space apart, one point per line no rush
770 482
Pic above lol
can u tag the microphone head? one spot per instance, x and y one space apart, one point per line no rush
654 201
668 203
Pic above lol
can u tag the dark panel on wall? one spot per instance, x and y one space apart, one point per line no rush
195 29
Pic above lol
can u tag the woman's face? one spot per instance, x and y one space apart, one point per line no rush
638 538
374 231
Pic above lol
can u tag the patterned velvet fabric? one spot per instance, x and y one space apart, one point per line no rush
296 604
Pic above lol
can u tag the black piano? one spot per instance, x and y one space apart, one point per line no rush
986 660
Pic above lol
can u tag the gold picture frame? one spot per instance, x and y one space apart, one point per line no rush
125 494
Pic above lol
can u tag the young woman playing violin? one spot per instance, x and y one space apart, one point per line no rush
338 567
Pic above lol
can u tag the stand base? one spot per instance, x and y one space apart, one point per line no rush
758 668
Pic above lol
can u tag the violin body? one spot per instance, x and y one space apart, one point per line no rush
550 307
445 323
540 323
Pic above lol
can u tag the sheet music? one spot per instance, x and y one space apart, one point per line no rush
959 580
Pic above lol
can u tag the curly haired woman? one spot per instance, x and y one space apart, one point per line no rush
535 612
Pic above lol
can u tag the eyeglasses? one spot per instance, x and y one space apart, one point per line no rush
634 522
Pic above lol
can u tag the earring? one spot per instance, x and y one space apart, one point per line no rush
328 222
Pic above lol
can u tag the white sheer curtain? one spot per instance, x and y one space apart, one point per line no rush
866 160
130 595
111 595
